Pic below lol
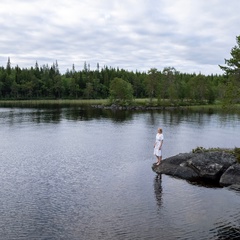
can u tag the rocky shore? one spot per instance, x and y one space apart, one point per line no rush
219 166
138 108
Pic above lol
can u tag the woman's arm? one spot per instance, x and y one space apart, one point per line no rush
161 143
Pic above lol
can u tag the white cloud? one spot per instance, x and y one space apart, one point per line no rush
192 36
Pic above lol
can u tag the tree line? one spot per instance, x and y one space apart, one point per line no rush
41 82
47 82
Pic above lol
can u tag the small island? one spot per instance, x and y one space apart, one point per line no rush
211 166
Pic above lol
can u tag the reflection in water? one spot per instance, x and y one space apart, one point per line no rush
18 116
55 114
158 189
226 232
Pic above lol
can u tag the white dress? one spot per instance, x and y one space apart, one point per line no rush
159 138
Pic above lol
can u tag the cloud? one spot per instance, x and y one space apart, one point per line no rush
192 36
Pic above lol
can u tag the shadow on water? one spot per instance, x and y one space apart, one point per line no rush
207 183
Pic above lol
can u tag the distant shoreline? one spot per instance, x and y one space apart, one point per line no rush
138 104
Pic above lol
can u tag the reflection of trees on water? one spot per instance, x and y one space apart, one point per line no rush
22 115
54 114
158 189
170 117
176 117
88 113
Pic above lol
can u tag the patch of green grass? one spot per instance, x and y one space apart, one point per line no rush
237 153
199 149
60 102
202 149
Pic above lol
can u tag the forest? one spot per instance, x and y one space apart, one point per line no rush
46 82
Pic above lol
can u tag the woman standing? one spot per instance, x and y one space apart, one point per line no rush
158 146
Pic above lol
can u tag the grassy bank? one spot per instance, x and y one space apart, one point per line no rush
51 102
235 151
71 102
136 102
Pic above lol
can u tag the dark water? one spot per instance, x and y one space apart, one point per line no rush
86 174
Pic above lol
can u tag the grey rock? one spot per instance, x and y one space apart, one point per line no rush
235 187
231 176
176 166
211 165
203 166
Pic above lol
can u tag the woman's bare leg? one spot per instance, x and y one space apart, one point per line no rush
158 160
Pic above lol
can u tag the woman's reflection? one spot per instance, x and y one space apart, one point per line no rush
158 189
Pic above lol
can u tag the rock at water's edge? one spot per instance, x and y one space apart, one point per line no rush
176 166
231 176
211 165
202 166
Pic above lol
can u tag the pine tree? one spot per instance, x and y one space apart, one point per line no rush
232 71
233 64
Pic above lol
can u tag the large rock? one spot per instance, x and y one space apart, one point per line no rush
211 165
176 166
202 166
231 176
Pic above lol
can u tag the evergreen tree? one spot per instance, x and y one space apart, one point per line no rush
232 71
233 64
8 68
152 83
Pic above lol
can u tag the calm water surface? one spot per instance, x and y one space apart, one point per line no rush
75 173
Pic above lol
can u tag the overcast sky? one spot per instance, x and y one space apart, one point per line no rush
190 35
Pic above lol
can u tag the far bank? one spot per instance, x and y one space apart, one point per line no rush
137 104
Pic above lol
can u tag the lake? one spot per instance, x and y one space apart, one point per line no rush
82 173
